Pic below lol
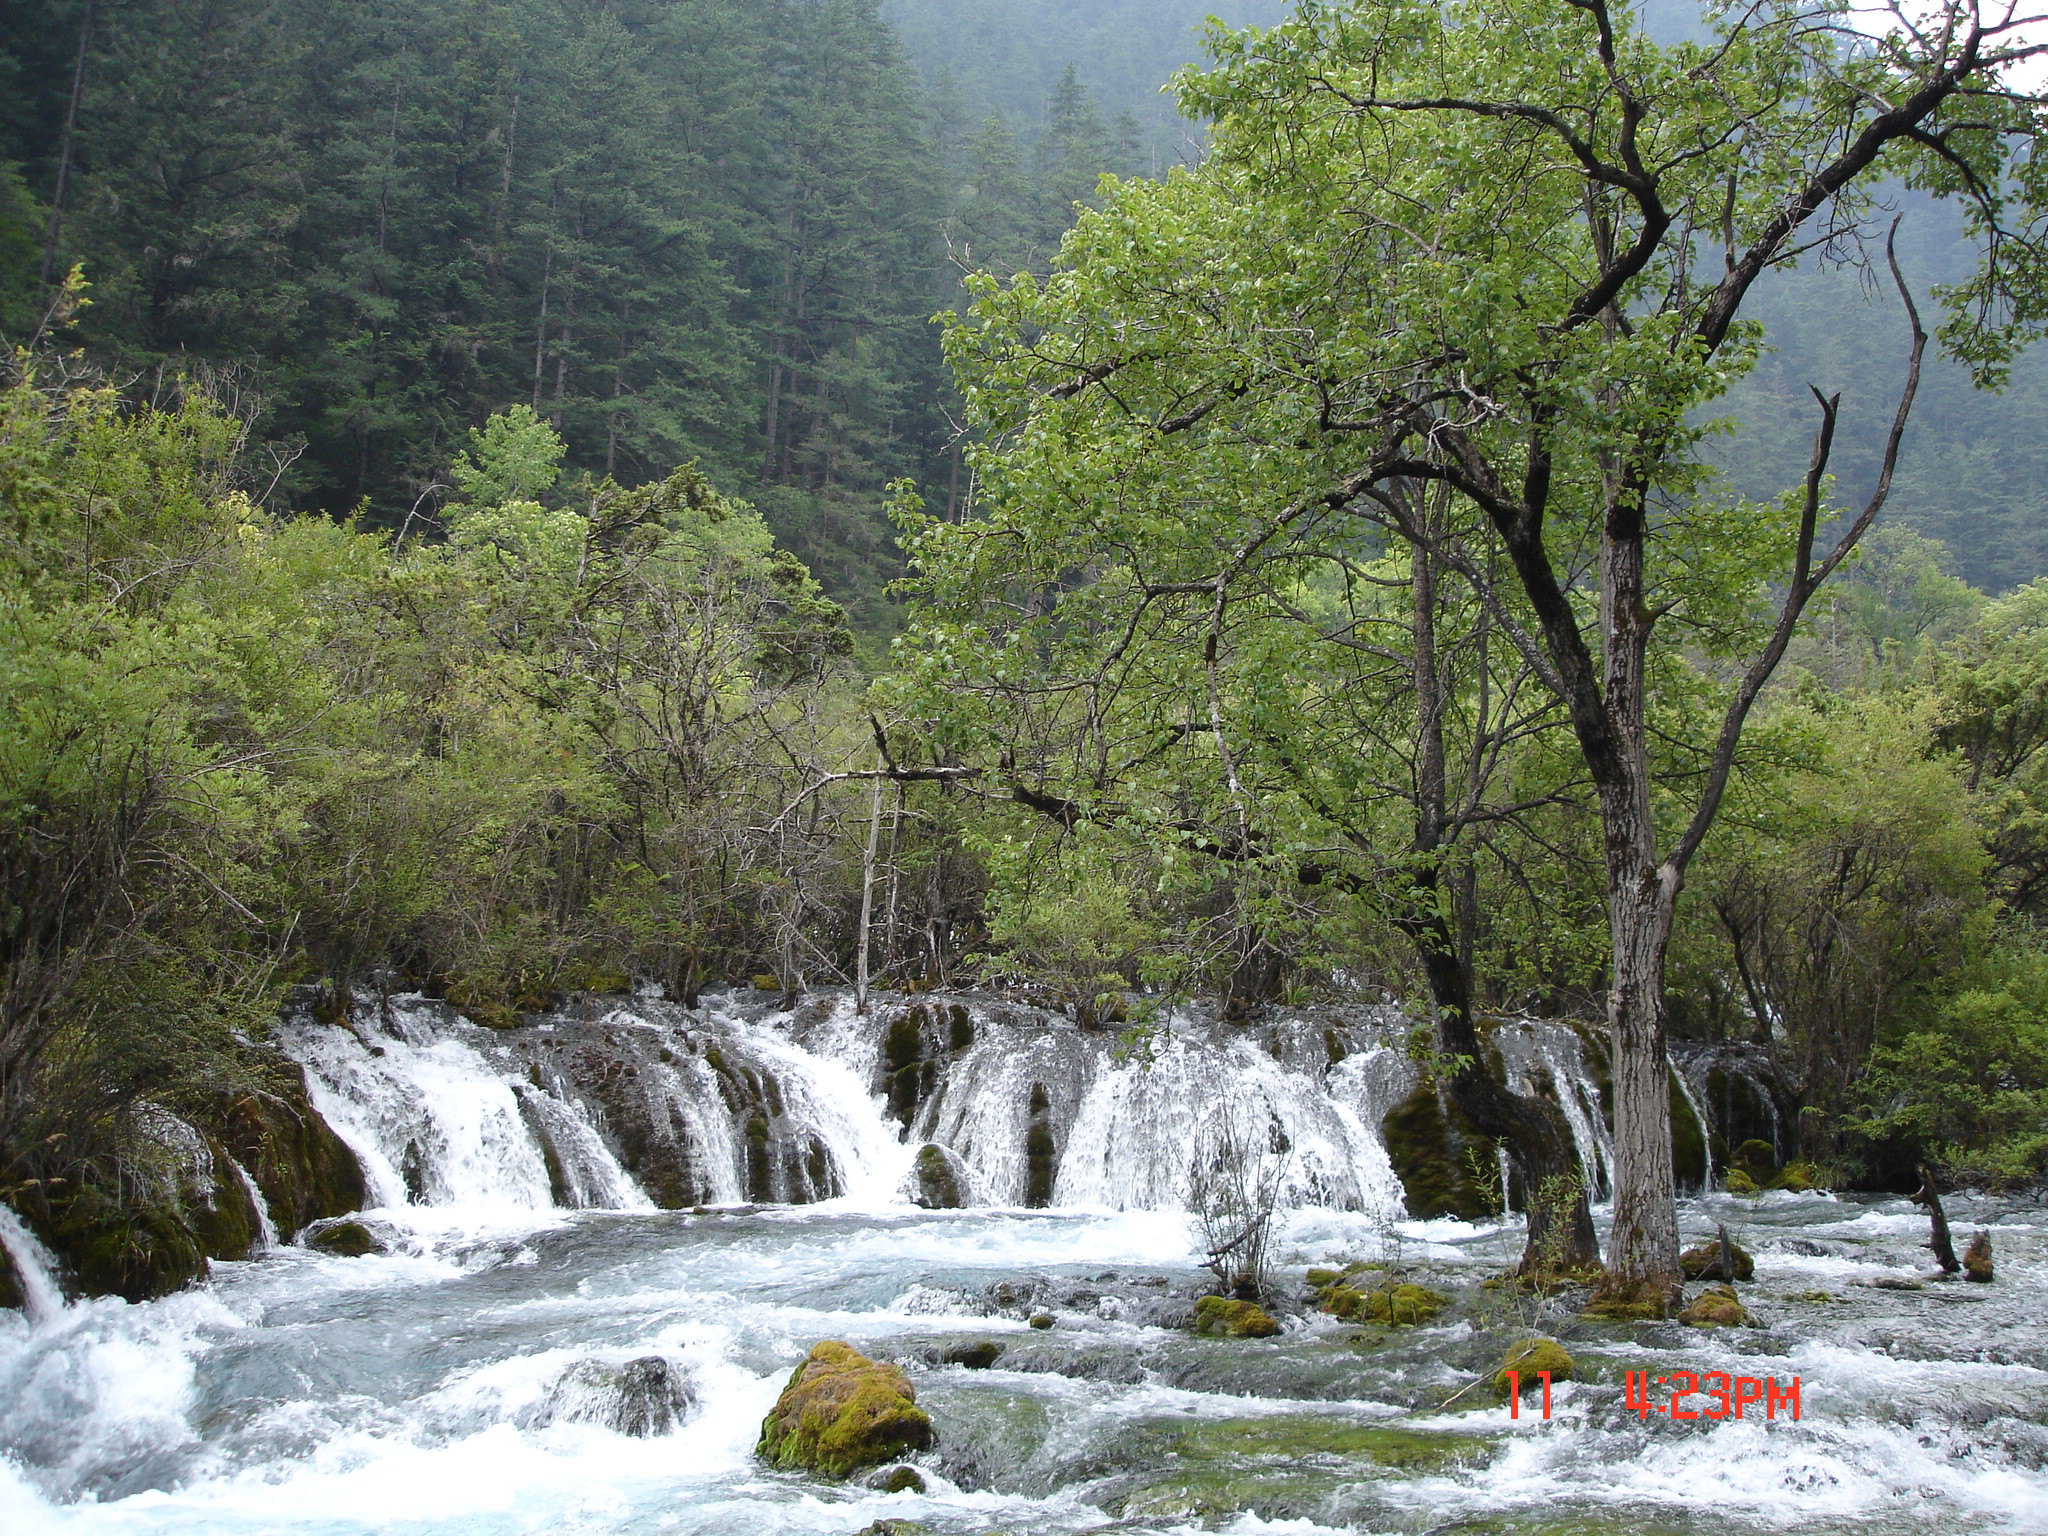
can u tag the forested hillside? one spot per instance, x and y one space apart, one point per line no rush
452 455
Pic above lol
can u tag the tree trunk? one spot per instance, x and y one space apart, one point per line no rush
1541 1154
67 146
1642 1250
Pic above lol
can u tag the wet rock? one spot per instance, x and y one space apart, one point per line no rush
1891 1283
897 1479
1041 1320
938 1179
1705 1260
1617 1302
1528 1358
892 1528
1219 1317
645 1397
343 1239
1717 1307
305 1171
841 1412
1396 1305
1977 1259
978 1356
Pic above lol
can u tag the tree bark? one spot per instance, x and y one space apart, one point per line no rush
1938 1239
1642 1249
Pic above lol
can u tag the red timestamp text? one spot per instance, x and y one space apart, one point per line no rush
1725 1401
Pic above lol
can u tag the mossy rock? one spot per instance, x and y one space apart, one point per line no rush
1699 1262
1323 1279
1394 1306
1617 1301
938 1181
1799 1177
138 1248
842 1412
1817 1297
1220 1317
1736 1182
897 1479
766 983
1041 1320
342 1239
1977 1264
305 1170
1528 1358
1717 1307
1758 1159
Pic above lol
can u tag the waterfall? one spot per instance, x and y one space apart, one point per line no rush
1542 1053
266 1229
35 1271
614 1103
1699 1116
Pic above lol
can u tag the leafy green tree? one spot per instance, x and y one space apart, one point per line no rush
1354 296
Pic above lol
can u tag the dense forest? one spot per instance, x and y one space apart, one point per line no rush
447 471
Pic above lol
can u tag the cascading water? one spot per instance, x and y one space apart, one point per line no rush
514 1366
35 1271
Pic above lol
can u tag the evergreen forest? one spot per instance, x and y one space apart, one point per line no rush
520 498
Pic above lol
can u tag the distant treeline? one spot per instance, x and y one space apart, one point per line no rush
692 229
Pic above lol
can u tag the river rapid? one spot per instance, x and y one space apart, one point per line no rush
433 1389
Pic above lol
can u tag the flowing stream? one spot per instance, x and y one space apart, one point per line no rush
445 1384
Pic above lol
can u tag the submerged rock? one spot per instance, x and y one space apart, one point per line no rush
1717 1307
645 1397
841 1412
978 1356
1529 1358
1219 1317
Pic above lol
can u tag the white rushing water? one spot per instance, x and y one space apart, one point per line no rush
34 1270
466 1382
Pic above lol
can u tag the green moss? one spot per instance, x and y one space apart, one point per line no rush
1617 1301
138 1249
1688 1141
900 1480
1041 1151
1393 1305
1799 1177
1705 1259
1293 1437
841 1412
1736 1182
1041 1320
1220 1317
344 1239
1717 1307
1528 1358
1427 1142
1755 1158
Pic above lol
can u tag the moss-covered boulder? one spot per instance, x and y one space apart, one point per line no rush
938 1179
1403 1305
842 1412
305 1171
1736 1182
1977 1259
1797 1176
1717 1307
1616 1300
1758 1159
1220 1317
1528 1359
1705 1260
342 1239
